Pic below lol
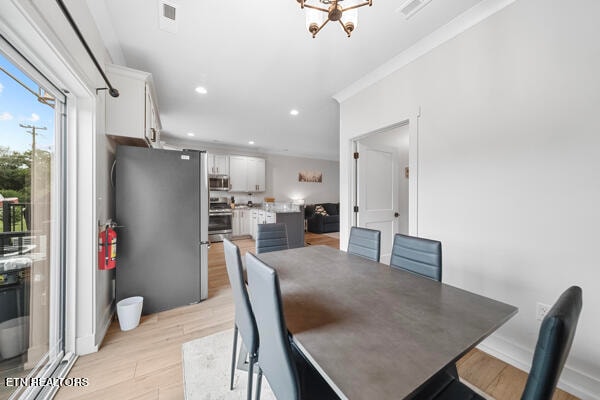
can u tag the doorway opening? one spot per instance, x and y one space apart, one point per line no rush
381 183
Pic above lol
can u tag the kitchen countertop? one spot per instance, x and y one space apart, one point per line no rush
262 207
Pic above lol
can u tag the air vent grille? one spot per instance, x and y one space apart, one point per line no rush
411 7
167 14
169 11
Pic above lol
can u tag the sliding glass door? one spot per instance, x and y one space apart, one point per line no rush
31 227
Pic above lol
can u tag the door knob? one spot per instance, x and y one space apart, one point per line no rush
396 215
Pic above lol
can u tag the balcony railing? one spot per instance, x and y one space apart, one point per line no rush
15 216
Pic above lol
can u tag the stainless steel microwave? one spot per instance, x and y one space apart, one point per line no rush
218 182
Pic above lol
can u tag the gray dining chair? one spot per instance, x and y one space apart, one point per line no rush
289 374
271 237
418 255
553 345
244 317
365 242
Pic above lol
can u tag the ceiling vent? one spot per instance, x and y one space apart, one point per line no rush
167 16
411 7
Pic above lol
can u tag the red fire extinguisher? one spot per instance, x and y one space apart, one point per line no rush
107 248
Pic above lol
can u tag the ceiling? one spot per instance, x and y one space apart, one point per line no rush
258 62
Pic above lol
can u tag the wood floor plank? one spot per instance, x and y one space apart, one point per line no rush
480 369
146 363
508 384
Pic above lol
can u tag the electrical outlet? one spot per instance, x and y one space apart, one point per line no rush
541 310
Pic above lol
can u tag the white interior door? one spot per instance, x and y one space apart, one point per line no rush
382 185
378 194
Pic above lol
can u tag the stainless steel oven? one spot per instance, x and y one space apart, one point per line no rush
218 182
220 219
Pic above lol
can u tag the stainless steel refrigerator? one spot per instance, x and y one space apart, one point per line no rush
162 234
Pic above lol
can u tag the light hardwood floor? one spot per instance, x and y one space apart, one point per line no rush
146 363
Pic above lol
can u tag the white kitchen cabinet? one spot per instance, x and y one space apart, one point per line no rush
254 223
246 224
218 164
132 118
256 174
238 176
241 222
247 174
258 217
235 222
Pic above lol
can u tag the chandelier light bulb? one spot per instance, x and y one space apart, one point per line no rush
350 20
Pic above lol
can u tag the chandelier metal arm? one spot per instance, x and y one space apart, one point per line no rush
348 31
367 3
321 27
316 8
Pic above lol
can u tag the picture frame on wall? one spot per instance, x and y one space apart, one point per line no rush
310 176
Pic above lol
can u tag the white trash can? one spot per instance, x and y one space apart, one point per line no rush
129 311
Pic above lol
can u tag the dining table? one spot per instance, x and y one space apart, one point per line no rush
376 332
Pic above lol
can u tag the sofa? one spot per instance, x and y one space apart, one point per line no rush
319 223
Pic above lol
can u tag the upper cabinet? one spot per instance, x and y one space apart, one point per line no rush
132 118
218 164
256 174
246 174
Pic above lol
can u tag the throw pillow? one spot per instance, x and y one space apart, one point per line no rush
320 210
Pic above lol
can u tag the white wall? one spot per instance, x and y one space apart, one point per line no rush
509 160
283 184
282 176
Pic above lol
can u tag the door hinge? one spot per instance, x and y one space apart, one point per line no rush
356 155
355 208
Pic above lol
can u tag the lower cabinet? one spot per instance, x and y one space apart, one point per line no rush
241 222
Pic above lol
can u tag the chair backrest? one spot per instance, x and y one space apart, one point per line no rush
553 345
418 255
275 357
271 237
244 317
365 243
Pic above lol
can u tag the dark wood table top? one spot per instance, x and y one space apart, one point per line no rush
372 331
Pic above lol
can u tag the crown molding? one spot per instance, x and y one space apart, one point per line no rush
461 23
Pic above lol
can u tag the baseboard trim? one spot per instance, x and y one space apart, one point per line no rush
85 345
572 381
107 316
91 343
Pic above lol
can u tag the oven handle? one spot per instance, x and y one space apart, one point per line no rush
214 214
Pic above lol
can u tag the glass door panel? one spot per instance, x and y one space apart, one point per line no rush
31 289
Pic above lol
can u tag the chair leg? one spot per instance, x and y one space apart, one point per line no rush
452 371
251 362
235 335
258 383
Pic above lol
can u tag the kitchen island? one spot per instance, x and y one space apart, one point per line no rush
292 216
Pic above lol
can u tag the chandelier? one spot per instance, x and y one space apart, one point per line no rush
320 12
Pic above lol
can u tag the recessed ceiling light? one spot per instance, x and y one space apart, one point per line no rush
251 142
294 112
191 134
201 90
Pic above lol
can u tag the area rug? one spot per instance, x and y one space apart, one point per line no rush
206 369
